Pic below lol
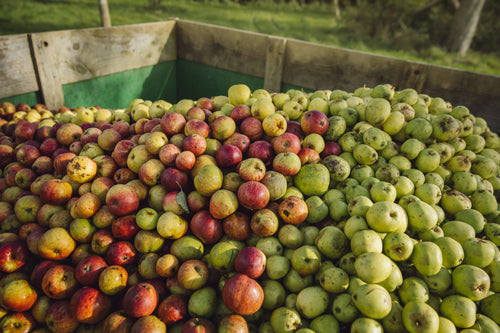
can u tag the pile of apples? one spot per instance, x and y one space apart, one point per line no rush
328 211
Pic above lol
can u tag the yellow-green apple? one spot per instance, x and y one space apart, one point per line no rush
112 279
56 243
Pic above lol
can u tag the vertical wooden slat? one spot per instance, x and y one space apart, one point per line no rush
45 62
275 57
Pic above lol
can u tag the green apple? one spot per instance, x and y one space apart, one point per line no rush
478 252
394 280
274 294
403 186
413 289
398 246
471 281
353 224
386 216
277 266
373 267
284 320
439 284
312 301
202 302
365 154
359 205
458 230
366 241
427 258
295 282
331 242
372 300
343 308
429 193
333 280
383 191
419 317
324 323
460 310
421 216
490 305
306 259
453 253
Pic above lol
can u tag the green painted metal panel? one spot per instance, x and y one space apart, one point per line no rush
118 90
31 98
196 80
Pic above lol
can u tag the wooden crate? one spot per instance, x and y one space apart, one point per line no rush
182 59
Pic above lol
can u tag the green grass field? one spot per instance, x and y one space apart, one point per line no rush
315 23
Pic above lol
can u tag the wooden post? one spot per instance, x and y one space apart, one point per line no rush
104 10
275 57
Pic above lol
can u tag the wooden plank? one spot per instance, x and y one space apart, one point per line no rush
17 74
88 53
225 48
44 57
274 63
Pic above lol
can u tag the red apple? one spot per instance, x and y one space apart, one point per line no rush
239 140
185 160
24 130
90 306
18 296
193 274
88 269
106 166
173 309
90 135
140 300
286 142
13 256
56 192
205 103
308 156
123 176
233 323
196 201
122 200
250 261
59 317
294 127
42 165
237 226
174 179
293 210
108 139
68 133
61 161
195 113
197 126
124 227
252 168
168 154
205 227
228 156
172 123
252 127
122 127
331 148
121 151
121 253
314 121
26 176
287 163
240 112
6 155
242 294
195 143
17 322
253 195
39 271
59 282
198 325
27 154
263 150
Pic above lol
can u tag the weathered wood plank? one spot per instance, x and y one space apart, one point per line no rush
17 74
226 48
274 63
45 66
88 53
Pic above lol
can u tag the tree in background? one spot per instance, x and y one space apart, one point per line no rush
464 26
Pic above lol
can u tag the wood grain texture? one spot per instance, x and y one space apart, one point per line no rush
17 74
88 53
226 48
47 70
275 58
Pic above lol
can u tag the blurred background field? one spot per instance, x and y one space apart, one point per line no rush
413 29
